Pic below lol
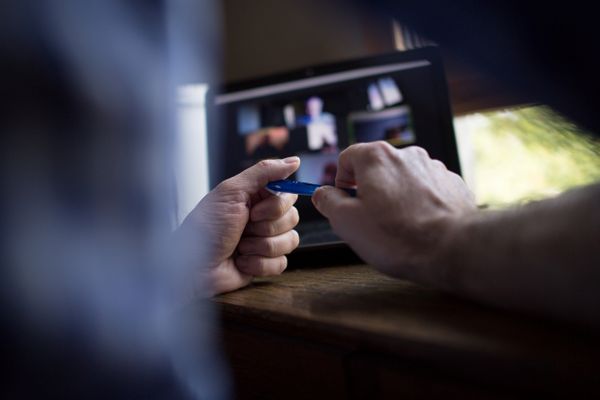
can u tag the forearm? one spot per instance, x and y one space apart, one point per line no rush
416 220
543 257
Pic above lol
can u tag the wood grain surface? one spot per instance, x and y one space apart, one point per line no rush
378 336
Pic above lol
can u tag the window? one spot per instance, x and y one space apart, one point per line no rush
522 154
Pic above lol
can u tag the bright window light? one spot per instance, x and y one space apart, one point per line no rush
523 154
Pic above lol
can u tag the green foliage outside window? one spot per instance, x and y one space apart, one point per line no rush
524 154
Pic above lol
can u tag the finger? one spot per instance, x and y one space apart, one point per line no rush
273 207
261 266
357 161
255 178
330 201
226 278
345 213
275 227
273 246
345 172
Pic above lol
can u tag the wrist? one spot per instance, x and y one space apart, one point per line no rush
442 265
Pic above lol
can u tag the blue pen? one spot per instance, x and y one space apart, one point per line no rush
300 188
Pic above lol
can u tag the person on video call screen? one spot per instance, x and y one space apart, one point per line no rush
320 125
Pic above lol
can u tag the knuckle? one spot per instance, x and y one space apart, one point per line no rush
457 177
382 145
269 246
376 152
259 266
281 208
228 191
269 229
295 216
419 151
375 147
235 207
264 164
352 148
346 153
240 197
240 205
373 155
438 164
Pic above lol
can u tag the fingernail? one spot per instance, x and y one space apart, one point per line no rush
291 160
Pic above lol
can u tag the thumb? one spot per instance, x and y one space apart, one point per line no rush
330 201
256 177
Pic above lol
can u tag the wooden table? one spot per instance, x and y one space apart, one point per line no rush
351 332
